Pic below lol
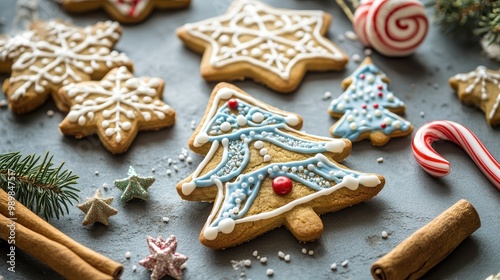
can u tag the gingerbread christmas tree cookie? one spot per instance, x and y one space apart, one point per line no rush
480 88
262 172
115 108
53 54
271 46
126 11
367 109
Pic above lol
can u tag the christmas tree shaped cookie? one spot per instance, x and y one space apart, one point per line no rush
367 109
53 54
271 46
480 88
262 172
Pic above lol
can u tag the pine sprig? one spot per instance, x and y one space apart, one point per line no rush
44 189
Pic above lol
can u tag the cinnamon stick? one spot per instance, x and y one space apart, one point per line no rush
36 224
55 255
416 255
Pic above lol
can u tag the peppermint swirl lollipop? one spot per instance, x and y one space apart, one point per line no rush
391 27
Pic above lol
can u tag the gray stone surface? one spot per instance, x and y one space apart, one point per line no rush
409 200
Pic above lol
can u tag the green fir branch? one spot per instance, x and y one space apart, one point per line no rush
44 189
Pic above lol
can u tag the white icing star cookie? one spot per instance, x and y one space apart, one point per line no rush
52 54
272 46
115 108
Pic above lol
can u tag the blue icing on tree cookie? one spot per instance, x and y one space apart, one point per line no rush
248 146
367 108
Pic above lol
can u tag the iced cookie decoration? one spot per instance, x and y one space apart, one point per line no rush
53 54
391 27
271 46
367 109
164 259
115 108
126 11
262 172
480 88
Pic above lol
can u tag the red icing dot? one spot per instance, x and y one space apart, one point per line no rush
375 105
383 125
362 76
282 185
380 94
232 103
380 87
363 106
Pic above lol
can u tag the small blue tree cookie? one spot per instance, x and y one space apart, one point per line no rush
367 108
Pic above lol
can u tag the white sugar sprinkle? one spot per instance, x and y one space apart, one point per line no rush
96 173
3 103
182 157
189 160
422 114
311 252
184 151
105 186
169 172
247 262
368 52
281 254
134 268
384 234
165 219
255 253
50 113
263 260
128 255
169 161
193 125
287 258
351 35
269 272
327 95
153 170
176 168
333 266
380 159
344 263
356 58
304 251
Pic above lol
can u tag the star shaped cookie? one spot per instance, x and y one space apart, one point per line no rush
134 186
115 108
271 46
164 260
480 88
53 54
126 11
97 209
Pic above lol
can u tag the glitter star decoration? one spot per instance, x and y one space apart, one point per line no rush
97 209
480 88
134 186
272 46
164 260
53 54
116 108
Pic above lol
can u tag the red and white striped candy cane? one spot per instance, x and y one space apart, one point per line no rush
436 165
359 21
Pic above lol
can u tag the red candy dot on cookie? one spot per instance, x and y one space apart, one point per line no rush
380 87
380 94
383 125
282 185
363 106
375 105
362 76
232 103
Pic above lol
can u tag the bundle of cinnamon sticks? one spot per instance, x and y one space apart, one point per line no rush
24 229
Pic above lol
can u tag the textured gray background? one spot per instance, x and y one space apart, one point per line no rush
409 200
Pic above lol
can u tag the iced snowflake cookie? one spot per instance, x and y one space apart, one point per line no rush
115 108
126 11
262 172
53 54
271 46
367 109
480 88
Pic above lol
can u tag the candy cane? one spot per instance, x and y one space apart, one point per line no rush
436 165
359 21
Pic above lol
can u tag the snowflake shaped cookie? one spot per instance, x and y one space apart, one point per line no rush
115 108
53 54
272 46
480 88
127 11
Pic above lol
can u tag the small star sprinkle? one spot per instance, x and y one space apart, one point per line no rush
163 259
134 186
97 209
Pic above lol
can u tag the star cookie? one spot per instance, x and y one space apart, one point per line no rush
126 11
115 108
97 209
53 54
164 260
134 186
262 172
271 46
480 88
